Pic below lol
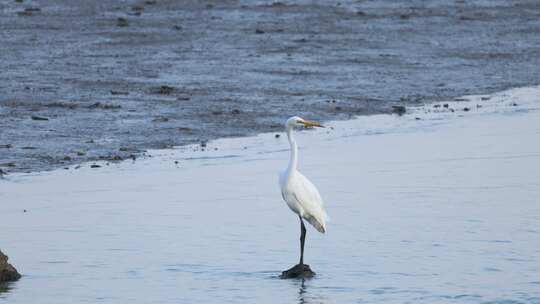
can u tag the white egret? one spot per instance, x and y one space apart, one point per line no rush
301 196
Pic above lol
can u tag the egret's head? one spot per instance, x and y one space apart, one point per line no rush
296 121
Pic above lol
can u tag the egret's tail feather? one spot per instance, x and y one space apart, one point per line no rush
318 224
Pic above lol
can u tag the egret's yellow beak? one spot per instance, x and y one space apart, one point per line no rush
308 123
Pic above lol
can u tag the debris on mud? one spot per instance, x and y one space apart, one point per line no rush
104 106
122 22
39 118
29 11
63 105
119 92
165 90
399 110
160 119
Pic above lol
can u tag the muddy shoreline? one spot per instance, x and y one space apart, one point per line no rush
104 81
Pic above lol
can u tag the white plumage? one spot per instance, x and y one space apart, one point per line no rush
298 192
303 198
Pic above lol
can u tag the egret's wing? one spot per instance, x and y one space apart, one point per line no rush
309 198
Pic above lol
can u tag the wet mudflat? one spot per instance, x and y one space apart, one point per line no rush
439 209
88 80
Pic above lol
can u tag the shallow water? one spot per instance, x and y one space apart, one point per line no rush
438 210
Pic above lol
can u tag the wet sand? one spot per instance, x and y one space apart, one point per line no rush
431 207
114 78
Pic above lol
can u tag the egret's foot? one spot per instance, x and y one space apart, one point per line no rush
298 271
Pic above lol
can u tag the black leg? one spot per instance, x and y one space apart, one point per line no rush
301 270
302 240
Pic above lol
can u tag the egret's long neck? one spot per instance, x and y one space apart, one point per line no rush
294 150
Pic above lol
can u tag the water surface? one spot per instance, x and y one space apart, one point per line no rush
438 210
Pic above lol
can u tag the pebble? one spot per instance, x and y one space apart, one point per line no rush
122 22
400 110
39 118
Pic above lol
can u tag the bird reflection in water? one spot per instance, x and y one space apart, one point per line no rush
305 298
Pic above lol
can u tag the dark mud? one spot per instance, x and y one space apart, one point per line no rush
88 80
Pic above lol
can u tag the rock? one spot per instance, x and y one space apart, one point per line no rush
302 271
8 146
235 111
29 11
119 92
445 105
7 271
165 90
104 106
122 22
160 119
259 31
400 110
466 109
39 118
95 166
278 4
277 136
